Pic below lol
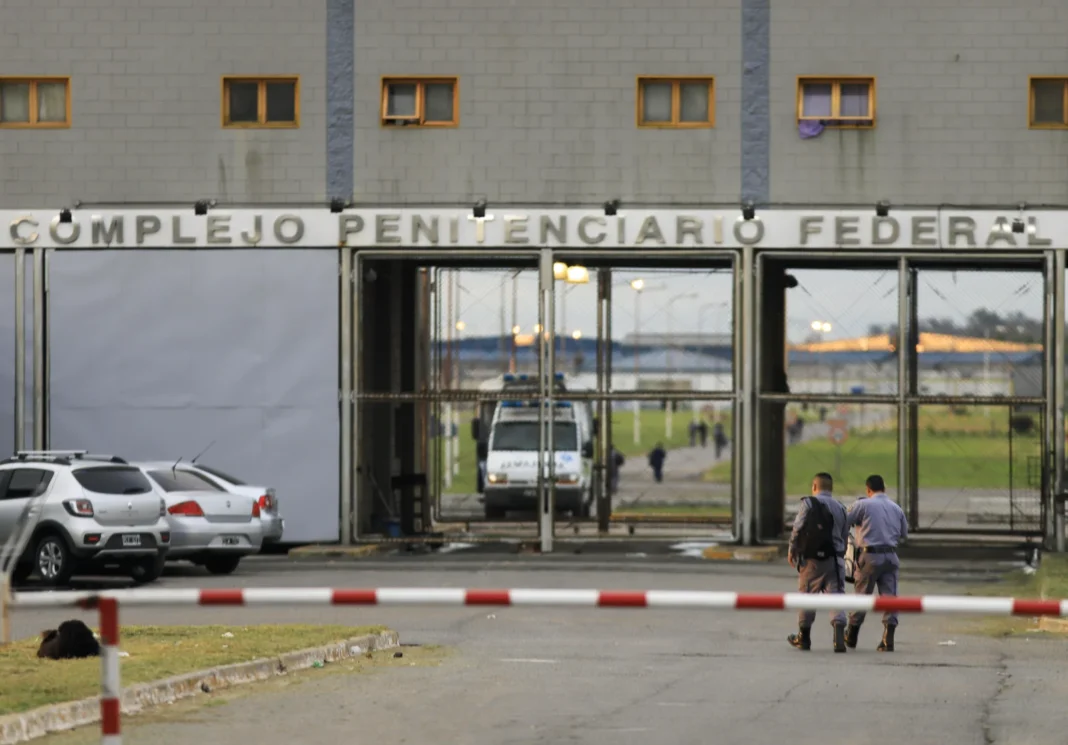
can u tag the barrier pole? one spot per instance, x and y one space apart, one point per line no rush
111 688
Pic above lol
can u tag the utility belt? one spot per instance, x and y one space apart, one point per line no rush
839 554
876 550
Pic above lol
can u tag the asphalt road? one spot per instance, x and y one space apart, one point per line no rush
613 677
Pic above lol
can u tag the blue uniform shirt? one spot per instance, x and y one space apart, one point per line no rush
879 521
838 513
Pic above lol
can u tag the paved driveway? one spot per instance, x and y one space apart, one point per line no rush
614 677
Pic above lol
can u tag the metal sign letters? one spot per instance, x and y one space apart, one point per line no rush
515 228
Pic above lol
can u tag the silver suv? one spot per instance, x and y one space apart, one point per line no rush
69 512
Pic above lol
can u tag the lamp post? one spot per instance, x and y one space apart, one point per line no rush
454 424
701 331
572 275
671 356
639 286
821 328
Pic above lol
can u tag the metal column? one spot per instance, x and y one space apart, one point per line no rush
604 453
1047 512
20 349
1057 400
745 406
546 365
38 350
346 393
356 352
604 511
903 294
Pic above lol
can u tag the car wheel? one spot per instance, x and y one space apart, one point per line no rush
222 564
147 570
52 561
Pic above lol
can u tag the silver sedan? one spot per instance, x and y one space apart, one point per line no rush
209 526
270 513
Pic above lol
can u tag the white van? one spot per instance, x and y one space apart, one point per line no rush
512 459
523 386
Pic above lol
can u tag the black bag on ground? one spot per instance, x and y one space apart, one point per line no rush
816 538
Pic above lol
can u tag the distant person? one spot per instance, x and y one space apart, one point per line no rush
702 430
656 461
615 462
719 438
817 550
693 433
880 527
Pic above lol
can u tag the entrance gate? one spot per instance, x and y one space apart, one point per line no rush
408 396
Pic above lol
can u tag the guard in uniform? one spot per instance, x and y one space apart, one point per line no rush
820 568
880 527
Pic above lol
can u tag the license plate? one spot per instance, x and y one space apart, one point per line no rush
530 493
131 540
231 540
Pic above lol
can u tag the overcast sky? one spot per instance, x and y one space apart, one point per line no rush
850 301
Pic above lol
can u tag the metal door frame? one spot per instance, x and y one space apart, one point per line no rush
907 398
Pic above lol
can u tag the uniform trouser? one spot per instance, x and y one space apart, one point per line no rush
871 571
821 576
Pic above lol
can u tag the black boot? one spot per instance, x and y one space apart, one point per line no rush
839 637
887 644
852 635
802 639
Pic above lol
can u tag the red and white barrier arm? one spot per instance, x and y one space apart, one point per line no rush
662 599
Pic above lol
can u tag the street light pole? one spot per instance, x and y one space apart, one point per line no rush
671 358
701 333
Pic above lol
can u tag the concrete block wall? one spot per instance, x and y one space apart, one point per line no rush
547 100
952 101
147 101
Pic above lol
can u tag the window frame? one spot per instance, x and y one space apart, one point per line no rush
676 99
261 101
34 81
1031 80
836 121
420 82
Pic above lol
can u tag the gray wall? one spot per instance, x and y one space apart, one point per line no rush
154 355
146 109
7 354
547 100
952 108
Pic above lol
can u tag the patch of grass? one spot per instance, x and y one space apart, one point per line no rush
956 451
1050 582
194 709
155 652
673 510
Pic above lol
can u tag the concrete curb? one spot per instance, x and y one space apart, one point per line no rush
16 728
339 552
746 553
1053 625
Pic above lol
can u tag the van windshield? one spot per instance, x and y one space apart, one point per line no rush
524 436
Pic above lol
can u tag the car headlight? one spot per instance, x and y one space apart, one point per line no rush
497 478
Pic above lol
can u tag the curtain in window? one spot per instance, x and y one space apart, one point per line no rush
693 103
438 102
51 102
854 100
816 100
657 100
15 102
